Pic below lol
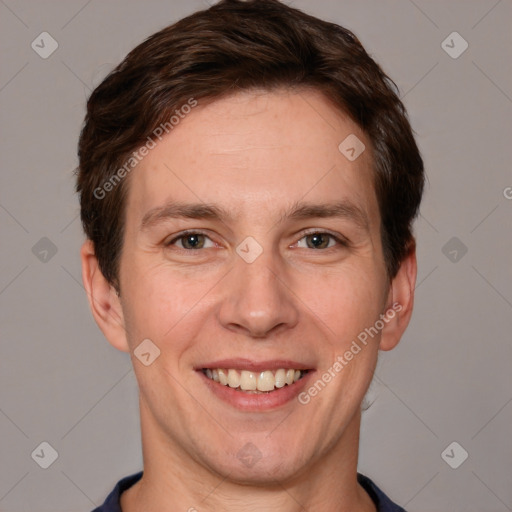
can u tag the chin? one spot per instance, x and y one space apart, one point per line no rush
263 474
249 465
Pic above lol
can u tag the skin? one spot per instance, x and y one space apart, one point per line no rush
255 154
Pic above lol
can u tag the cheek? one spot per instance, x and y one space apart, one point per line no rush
346 301
350 308
161 303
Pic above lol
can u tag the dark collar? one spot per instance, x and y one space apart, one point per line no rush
382 502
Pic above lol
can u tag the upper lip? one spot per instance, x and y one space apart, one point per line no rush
255 366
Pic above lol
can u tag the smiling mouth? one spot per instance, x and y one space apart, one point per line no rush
247 381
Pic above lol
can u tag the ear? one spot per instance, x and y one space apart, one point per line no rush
400 301
103 299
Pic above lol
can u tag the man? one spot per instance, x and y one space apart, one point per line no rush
248 179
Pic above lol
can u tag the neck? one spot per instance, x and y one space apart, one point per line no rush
173 480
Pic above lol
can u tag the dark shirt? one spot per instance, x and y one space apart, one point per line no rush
382 502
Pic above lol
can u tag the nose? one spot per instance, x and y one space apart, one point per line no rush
257 300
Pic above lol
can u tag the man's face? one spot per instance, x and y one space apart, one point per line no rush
257 290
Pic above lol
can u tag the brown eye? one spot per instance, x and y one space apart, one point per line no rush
321 240
190 241
318 240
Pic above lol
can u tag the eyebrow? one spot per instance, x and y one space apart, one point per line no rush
339 209
299 211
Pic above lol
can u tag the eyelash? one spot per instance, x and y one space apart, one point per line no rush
341 241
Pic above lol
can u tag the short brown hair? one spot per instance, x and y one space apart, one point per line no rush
239 45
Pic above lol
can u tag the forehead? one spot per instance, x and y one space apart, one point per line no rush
253 152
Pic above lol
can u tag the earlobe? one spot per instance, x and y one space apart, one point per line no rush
400 301
103 299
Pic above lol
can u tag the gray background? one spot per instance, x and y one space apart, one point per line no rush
448 380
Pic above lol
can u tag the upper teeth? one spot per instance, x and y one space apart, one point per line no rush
254 381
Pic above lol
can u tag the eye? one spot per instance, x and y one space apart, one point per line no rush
321 240
195 240
191 240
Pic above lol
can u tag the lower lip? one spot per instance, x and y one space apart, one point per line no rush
257 401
